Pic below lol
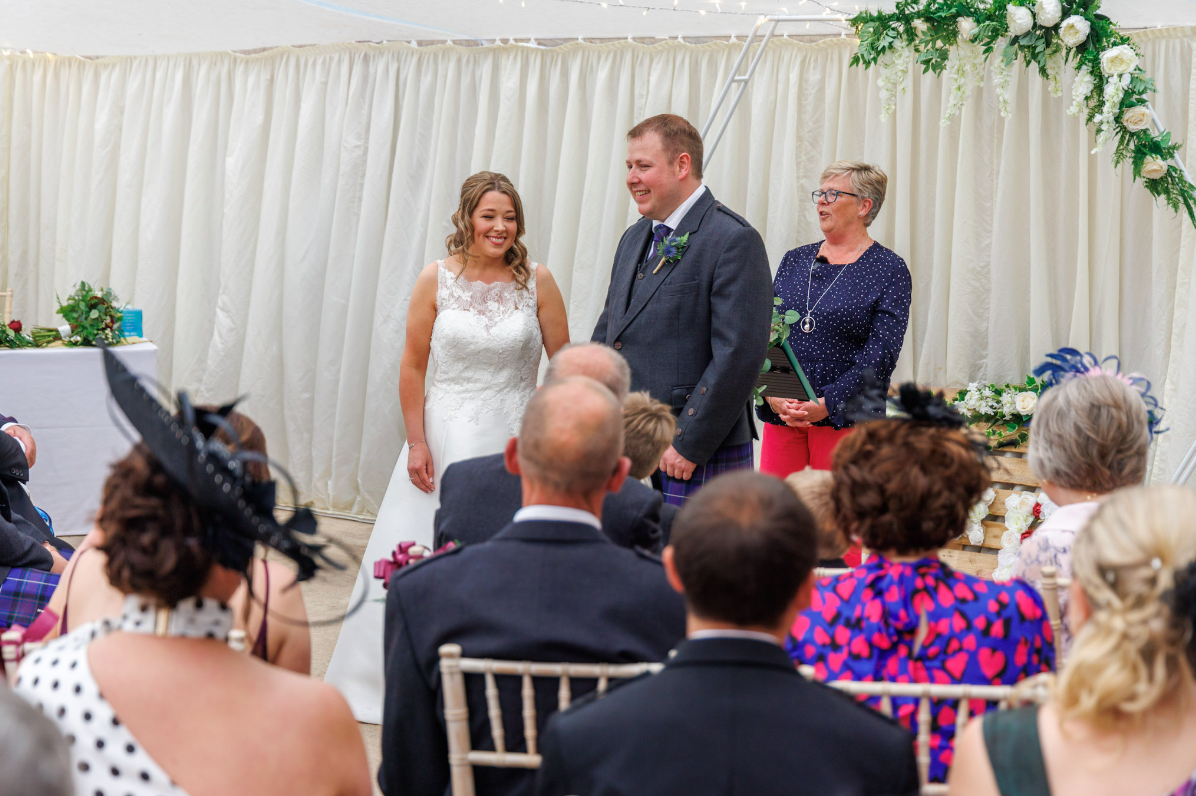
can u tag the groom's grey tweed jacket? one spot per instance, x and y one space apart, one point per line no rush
696 332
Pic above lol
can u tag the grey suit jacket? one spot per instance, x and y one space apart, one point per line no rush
696 333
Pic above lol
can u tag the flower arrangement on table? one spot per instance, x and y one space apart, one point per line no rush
1024 511
90 313
1110 87
12 335
778 335
1002 409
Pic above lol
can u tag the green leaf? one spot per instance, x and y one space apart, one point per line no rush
767 365
791 317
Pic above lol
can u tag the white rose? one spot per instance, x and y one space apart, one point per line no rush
1019 20
1136 118
919 25
1048 12
1118 60
977 512
1153 169
1006 557
1010 538
1048 507
975 533
1027 502
1018 521
988 497
1026 402
1074 30
967 27
1013 502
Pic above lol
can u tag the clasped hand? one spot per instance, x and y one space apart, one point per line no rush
799 414
21 433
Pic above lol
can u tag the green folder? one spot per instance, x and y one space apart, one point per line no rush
785 377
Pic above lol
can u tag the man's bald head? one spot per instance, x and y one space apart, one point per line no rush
572 436
599 362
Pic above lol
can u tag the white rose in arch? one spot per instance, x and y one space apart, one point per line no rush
1048 12
1027 501
1026 402
1118 60
1136 118
1154 168
919 25
1019 20
1074 30
967 27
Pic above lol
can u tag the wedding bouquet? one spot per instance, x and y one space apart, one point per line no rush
12 336
1003 409
90 313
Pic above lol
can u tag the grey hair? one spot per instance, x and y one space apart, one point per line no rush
611 370
572 436
34 758
1090 434
866 180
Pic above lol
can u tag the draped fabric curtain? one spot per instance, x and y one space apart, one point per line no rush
269 213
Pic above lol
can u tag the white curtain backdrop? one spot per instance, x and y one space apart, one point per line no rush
270 212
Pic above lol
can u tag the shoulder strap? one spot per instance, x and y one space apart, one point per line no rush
260 644
66 602
1011 739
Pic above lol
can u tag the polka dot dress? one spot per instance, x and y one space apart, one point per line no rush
107 759
860 313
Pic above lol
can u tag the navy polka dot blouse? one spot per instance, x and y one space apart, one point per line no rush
860 312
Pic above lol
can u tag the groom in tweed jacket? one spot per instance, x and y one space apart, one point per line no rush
693 326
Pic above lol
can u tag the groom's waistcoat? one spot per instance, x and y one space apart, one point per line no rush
695 333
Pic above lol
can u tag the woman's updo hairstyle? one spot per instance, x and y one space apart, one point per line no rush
472 191
1132 652
905 486
154 535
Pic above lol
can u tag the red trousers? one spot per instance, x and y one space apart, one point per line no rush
786 450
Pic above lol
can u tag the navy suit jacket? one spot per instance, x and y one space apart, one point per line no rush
539 591
729 717
22 530
696 332
478 498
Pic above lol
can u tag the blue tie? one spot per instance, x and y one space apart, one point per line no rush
661 232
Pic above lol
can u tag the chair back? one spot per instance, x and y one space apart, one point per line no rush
13 648
1051 584
829 572
1033 690
454 667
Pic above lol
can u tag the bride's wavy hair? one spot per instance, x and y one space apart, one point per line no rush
459 243
1136 564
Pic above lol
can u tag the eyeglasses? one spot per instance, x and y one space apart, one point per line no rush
831 196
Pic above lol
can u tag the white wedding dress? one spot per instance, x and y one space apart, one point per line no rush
486 345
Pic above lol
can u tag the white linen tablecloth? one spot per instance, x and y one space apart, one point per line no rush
62 395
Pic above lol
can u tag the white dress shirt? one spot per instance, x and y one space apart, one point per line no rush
557 514
677 215
754 635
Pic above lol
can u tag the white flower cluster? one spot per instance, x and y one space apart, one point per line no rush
1080 90
1106 120
964 70
1055 64
1019 516
974 528
1002 77
1011 404
893 77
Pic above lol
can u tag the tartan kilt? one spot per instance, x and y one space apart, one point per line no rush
724 460
23 594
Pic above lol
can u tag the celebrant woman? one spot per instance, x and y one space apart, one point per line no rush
852 297
483 315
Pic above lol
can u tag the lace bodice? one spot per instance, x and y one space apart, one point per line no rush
486 346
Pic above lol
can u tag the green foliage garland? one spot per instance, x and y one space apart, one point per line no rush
942 32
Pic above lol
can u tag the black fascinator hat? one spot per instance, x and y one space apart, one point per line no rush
237 511
912 404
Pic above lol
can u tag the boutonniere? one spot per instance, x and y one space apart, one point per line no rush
670 250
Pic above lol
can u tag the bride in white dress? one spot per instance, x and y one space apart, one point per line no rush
483 315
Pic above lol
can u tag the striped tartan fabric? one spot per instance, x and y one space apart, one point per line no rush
724 460
23 594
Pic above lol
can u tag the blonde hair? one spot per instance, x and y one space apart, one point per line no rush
813 487
459 243
866 180
1132 651
1090 434
648 428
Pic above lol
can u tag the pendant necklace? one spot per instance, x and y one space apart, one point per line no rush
807 321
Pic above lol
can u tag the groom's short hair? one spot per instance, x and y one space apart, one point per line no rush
677 135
